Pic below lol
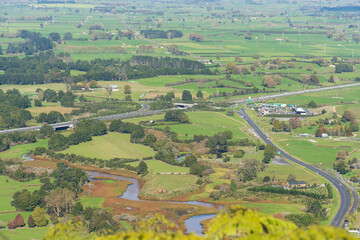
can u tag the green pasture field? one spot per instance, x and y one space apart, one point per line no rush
275 208
31 89
172 184
209 123
5 217
7 190
250 153
111 145
317 151
65 5
223 41
332 97
19 150
147 118
353 108
88 201
156 166
160 81
216 179
138 90
25 233
281 173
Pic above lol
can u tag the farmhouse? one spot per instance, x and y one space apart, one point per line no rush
292 184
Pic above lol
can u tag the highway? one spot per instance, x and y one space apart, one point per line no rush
142 112
242 101
345 199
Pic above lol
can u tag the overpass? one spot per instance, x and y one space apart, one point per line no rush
184 105
63 125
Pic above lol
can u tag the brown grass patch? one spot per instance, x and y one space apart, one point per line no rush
101 188
334 147
175 212
60 109
328 109
40 163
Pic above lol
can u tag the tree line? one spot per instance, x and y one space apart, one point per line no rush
170 34
12 109
47 67
33 43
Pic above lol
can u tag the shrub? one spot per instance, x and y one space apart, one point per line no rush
11 224
226 159
2 224
19 221
266 179
37 103
31 222
239 154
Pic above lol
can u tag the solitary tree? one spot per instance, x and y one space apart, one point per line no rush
60 201
142 168
127 89
186 96
291 177
108 90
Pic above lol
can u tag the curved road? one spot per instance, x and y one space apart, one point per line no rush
344 194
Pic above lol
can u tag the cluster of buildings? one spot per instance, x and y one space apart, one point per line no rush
280 109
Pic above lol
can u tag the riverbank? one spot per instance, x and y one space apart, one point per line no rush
123 197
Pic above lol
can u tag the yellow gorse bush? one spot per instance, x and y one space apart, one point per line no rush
234 222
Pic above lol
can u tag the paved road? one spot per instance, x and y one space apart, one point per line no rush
242 101
142 112
344 194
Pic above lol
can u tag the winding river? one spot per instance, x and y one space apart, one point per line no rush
132 193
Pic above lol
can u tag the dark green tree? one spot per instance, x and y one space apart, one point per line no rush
116 126
186 96
199 94
142 168
41 118
55 117
58 142
197 169
55 37
37 103
190 160
78 209
312 104
315 207
46 131
137 134
31 222
150 140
